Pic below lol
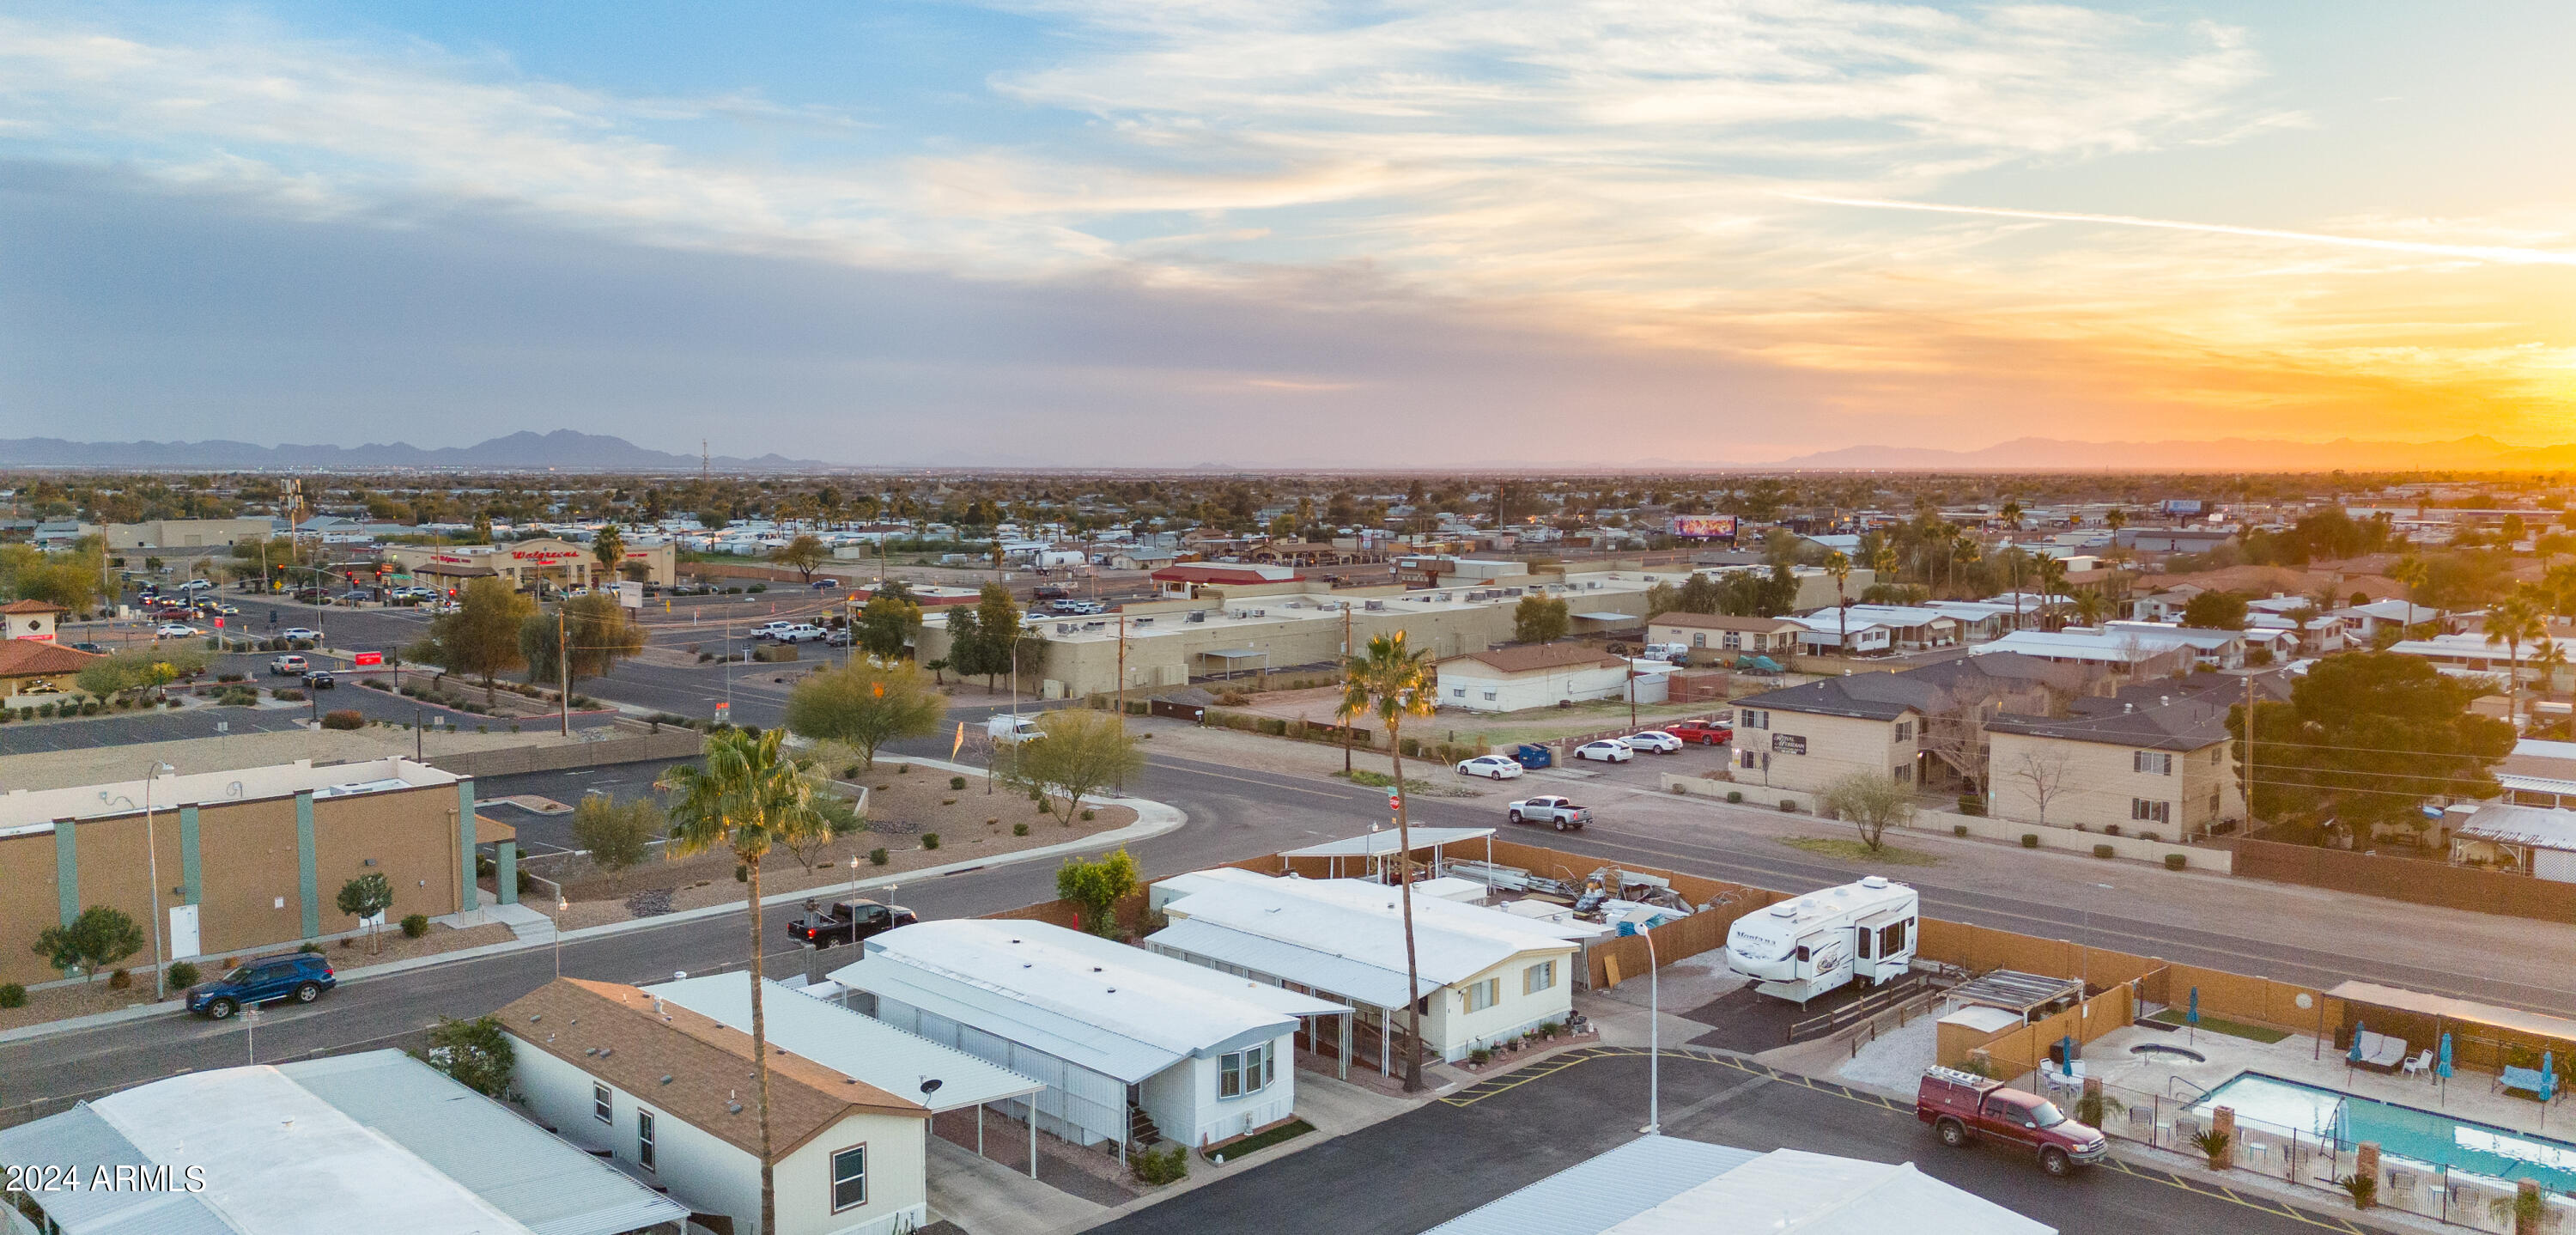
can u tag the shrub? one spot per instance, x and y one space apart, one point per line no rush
183 974
876 857
122 979
1088 815
45 710
343 719
2030 840
2089 1109
1170 1164
2149 837
1735 795
2110 829
956 782
312 947
930 840
1480 1055
13 995
1019 829
2174 862
758 588
1958 829
2103 851
2364 1189
2215 1146
415 925
905 769
1971 805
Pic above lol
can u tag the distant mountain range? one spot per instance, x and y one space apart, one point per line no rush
2235 454
562 449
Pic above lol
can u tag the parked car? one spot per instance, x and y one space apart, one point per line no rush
766 629
197 585
1561 813
300 632
300 976
1964 1108
1493 767
175 630
827 585
321 679
847 922
1050 592
287 665
1607 750
839 638
797 632
1701 732
91 648
1655 740
1071 608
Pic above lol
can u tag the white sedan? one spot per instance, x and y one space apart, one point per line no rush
300 632
1493 766
176 630
1607 750
1655 740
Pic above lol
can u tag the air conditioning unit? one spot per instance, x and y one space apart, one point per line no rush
1198 615
1374 606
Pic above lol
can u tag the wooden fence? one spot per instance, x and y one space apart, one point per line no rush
2407 879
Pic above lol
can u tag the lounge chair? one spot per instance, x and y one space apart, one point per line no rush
2526 1079
2381 1052
2421 1063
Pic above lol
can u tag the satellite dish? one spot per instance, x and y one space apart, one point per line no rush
930 1087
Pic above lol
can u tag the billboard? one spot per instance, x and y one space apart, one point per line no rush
1704 527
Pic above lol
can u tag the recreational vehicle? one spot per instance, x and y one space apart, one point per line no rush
1808 945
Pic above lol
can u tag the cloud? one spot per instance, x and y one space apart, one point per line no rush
2476 253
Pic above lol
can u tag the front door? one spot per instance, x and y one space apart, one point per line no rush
183 932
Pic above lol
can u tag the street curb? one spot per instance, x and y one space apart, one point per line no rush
1152 819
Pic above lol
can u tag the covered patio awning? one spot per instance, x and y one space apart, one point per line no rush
2014 991
2461 1011
1611 617
1378 844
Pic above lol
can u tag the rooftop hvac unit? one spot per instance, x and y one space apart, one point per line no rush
1593 584
1375 606
1198 615
1144 621
1064 628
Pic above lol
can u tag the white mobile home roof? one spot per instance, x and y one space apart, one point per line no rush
1117 1010
850 1044
1584 1198
1336 924
1385 842
1792 1192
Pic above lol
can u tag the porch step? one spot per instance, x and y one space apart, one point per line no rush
1141 1132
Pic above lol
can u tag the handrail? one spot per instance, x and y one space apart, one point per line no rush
1901 991
2201 1091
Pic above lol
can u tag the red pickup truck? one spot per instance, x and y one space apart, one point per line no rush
1963 1108
1702 732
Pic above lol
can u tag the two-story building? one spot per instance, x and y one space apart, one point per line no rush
1806 737
2151 759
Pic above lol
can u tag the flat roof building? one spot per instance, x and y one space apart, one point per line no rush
375 1141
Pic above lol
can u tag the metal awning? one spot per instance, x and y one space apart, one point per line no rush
1380 844
1610 617
2014 991
1316 971
1230 655
2538 1025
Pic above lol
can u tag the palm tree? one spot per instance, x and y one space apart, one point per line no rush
2417 575
2091 607
1392 682
2548 657
2516 620
2052 576
609 549
747 799
2012 515
1839 567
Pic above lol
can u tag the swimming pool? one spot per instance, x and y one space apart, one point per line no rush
2401 1131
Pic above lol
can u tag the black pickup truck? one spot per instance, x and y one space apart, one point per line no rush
846 922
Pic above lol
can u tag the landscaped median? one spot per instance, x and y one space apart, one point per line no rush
2040 836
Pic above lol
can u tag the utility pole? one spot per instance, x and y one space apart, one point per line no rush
2248 786
1122 666
563 668
1347 721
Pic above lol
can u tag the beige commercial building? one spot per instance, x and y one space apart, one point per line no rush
1246 629
1723 636
2153 759
529 564
247 860
186 533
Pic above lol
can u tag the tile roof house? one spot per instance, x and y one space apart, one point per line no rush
672 1094
30 619
34 669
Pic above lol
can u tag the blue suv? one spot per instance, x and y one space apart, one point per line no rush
300 976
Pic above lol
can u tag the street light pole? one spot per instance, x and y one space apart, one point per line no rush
152 866
1654 1042
561 907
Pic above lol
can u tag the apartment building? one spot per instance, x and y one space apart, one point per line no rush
1896 725
2151 759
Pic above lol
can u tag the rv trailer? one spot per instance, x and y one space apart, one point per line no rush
1808 945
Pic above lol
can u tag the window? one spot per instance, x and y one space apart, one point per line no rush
1891 939
644 1139
1731 641
1755 718
1699 638
1489 696
1482 995
1905 731
1459 691
1538 977
1745 759
1245 1071
1904 775
2152 762
850 1178
600 1107
2145 811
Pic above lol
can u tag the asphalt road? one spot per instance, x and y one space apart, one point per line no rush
1422 1168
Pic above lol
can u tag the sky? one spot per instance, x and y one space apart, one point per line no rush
1287 232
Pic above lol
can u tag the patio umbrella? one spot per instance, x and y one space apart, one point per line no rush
2354 1055
2066 1049
2442 1067
2192 1018
2548 1076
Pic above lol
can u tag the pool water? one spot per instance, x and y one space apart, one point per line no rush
2401 1131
